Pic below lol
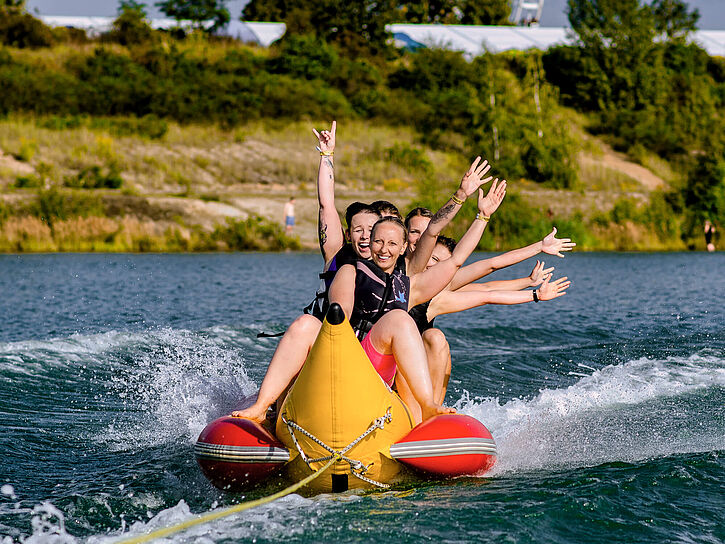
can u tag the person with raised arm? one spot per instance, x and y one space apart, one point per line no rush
417 257
471 296
352 291
437 348
550 244
376 297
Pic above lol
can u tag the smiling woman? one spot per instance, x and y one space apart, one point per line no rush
377 295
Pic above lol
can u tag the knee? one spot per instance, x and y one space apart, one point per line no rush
435 341
305 324
402 320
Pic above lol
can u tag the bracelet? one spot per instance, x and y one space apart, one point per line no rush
536 297
457 200
482 217
324 153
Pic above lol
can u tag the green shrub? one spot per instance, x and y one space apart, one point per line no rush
29 181
305 56
253 233
69 34
94 177
131 26
28 149
54 204
23 30
5 212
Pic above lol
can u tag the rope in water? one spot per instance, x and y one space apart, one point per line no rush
216 514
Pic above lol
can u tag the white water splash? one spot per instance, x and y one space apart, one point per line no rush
48 525
173 390
274 521
626 412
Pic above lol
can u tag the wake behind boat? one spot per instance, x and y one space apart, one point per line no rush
339 406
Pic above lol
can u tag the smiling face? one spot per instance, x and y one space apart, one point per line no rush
416 227
358 235
440 253
387 245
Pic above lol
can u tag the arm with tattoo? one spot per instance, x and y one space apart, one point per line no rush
417 260
329 226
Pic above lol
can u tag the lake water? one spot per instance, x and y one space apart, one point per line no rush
608 405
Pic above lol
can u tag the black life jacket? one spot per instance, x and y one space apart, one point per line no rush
318 307
376 293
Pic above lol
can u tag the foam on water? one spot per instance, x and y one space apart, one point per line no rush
290 515
162 385
640 409
174 389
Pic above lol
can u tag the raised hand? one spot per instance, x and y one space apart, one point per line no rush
327 138
539 273
490 203
555 289
473 179
554 246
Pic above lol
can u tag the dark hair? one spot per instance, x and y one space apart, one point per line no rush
448 243
415 212
356 208
387 208
390 219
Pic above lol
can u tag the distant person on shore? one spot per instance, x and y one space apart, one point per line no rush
289 215
709 231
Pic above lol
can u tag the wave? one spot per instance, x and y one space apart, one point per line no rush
641 409
148 388
289 516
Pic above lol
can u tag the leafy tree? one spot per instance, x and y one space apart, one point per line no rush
673 19
354 23
485 12
705 190
12 5
355 26
197 11
18 28
131 25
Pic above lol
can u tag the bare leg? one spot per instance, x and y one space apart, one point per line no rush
439 365
439 361
407 397
286 363
397 333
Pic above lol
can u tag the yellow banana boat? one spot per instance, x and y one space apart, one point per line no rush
339 407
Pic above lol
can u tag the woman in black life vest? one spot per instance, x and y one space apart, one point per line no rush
394 342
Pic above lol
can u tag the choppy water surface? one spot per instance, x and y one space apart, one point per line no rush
608 406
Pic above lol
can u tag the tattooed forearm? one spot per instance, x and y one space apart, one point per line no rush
443 213
322 234
328 162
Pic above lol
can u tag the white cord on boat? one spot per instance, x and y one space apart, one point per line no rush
379 423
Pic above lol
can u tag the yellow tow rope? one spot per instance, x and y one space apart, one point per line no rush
216 514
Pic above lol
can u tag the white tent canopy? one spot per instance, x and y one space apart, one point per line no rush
475 40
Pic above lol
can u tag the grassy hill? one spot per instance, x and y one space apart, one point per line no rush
197 186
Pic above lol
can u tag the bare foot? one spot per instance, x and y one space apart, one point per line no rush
436 410
254 412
